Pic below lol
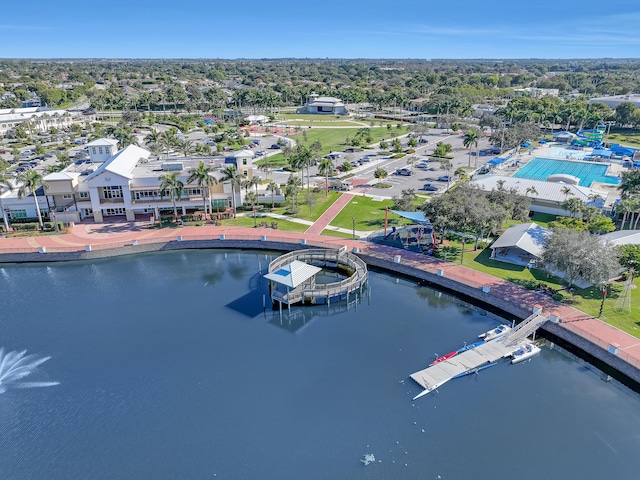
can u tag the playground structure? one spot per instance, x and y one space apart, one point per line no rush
417 237
593 138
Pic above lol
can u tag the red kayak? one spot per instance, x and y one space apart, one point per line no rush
444 357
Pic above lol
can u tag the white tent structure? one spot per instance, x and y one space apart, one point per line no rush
520 244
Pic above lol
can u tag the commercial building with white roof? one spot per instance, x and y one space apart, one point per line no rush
324 105
615 100
127 183
546 197
36 119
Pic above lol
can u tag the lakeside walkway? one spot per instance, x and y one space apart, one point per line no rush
107 236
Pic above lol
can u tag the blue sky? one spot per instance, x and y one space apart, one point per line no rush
423 29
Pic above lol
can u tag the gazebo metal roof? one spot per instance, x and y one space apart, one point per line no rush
293 274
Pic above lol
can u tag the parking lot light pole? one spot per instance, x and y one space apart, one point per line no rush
353 224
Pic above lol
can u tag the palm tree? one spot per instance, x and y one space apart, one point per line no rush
29 182
573 206
326 168
471 140
205 180
272 187
567 192
4 183
125 137
154 141
232 175
173 187
185 146
531 190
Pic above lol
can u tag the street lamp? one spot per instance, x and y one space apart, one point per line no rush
604 296
353 224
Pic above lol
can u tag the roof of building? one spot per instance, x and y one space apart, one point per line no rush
623 237
64 175
243 154
147 173
550 191
293 274
527 236
256 118
123 162
23 114
326 102
564 134
101 142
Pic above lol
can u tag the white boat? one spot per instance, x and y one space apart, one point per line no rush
525 352
494 333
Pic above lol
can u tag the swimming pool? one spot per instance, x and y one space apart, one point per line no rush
565 153
587 172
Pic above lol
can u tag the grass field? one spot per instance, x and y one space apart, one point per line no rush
282 224
587 300
368 214
333 233
320 204
631 139
334 139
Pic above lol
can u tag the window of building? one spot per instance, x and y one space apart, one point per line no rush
245 173
93 150
100 150
244 161
113 211
84 194
17 214
146 194
67 196
112 191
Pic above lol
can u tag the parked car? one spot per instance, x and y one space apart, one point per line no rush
404 171
430 187
445 178
275 146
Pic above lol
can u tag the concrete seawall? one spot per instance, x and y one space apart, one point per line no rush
472 294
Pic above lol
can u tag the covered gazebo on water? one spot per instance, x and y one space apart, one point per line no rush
295 275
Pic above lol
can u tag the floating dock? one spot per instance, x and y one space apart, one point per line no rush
475 359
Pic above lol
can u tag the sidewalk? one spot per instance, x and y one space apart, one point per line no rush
329 214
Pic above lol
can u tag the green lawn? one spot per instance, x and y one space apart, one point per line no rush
629 138
320 205
587 300
333 139
333 233
282 224
368 214
318 123
290 117
542 219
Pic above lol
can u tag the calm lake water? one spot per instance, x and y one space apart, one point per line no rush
170 369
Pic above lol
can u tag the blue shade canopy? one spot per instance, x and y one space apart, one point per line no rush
496 161
417 217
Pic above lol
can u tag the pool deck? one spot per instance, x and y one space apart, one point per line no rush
89 241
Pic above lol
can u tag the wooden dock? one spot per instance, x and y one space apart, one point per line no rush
483 355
